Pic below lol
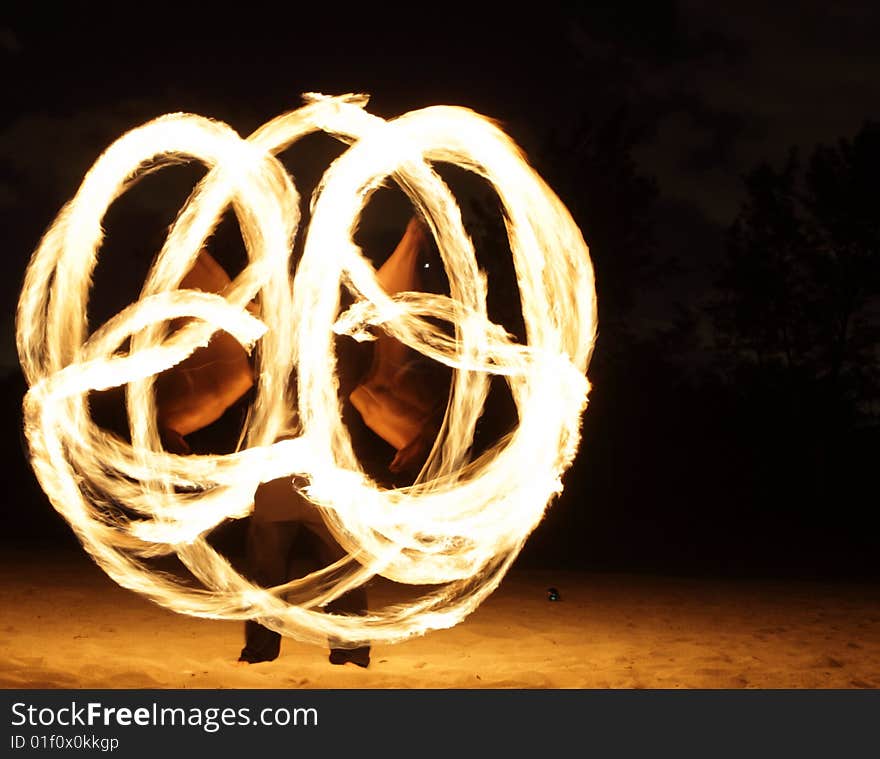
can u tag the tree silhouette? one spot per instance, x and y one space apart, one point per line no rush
797 335
593 169
843 227
799 289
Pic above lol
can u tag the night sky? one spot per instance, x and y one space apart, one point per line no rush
645 121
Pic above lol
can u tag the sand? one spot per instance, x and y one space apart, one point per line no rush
65 624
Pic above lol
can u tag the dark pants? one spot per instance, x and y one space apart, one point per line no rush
279 514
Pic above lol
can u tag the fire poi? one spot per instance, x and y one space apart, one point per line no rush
462 523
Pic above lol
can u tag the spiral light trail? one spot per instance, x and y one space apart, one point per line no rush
461 524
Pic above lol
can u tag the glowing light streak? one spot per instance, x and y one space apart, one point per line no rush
463 522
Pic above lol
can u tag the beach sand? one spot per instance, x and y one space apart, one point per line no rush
65 624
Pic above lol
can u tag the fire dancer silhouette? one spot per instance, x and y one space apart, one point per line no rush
398 403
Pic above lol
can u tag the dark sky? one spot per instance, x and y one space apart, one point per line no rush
711 92
715 89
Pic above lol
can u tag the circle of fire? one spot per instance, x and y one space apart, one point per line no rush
462 523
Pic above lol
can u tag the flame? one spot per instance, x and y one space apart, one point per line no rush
462 523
